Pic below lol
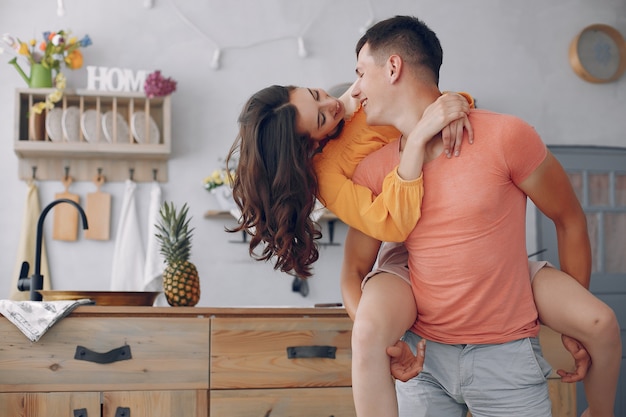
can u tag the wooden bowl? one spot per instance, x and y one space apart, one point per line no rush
104 298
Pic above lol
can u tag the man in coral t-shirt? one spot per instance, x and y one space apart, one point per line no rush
467 255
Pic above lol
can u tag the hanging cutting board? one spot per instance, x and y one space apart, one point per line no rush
65 225
98 210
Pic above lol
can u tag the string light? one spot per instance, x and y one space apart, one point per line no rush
60 8
369 20
302 52
217 54
215 62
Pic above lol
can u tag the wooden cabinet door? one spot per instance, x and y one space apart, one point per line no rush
49 404
187 403
300 402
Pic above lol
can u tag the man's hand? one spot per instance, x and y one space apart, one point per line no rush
404 365
582 360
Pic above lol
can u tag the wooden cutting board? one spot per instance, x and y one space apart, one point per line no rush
65 226
98 210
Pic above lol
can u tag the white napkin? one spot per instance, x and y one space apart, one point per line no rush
27 244
34 318
153 271
129 258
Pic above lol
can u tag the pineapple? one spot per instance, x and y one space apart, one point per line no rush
181 283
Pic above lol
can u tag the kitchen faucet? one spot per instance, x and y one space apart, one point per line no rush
35 282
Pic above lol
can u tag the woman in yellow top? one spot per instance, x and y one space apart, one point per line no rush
297 143
286 160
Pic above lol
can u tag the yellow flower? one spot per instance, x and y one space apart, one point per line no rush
217 178
60 81
39 107
23 49
33 42
53 97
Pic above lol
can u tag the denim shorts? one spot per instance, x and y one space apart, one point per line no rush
508 379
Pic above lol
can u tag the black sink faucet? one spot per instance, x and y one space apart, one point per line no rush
35 282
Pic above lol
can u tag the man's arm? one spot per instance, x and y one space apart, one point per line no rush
550 189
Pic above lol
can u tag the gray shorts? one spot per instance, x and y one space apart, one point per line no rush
505 380
393 258
508 379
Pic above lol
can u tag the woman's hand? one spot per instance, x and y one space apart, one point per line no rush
448 115
452 136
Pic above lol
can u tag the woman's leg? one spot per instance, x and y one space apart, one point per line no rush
386 310
568 308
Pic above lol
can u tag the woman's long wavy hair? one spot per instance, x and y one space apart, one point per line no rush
275 184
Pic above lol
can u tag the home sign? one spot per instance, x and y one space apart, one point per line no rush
115 79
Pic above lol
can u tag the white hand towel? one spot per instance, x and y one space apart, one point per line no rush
34 318
128 255
153 271
26 246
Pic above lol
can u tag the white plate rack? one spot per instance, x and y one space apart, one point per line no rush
112 150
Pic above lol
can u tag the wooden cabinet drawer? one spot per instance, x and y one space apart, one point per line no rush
158 353
185 403
47 404
301 402
253 352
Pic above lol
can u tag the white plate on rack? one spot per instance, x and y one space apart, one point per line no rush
53 125
108 124
138 127
89 125
71 123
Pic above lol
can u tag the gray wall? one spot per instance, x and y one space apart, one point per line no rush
512 56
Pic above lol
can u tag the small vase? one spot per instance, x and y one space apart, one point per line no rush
40 76
224 196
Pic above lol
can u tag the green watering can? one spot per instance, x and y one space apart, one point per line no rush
40 76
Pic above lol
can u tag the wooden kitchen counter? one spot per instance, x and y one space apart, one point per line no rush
193 361
114 311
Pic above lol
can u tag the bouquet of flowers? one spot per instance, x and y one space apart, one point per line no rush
54 49
218 178
221 176
156 85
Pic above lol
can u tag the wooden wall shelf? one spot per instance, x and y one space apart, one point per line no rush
113 152
328 217
221 214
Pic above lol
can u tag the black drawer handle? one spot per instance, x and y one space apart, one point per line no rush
82 412
122 412
295 352
115 355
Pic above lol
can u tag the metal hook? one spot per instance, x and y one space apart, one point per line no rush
131 173
67 171
34 168
99 173
154 174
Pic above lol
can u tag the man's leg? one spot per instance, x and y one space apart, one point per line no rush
508 379
436 390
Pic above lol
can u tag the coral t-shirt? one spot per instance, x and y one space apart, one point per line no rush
467 254
384 217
